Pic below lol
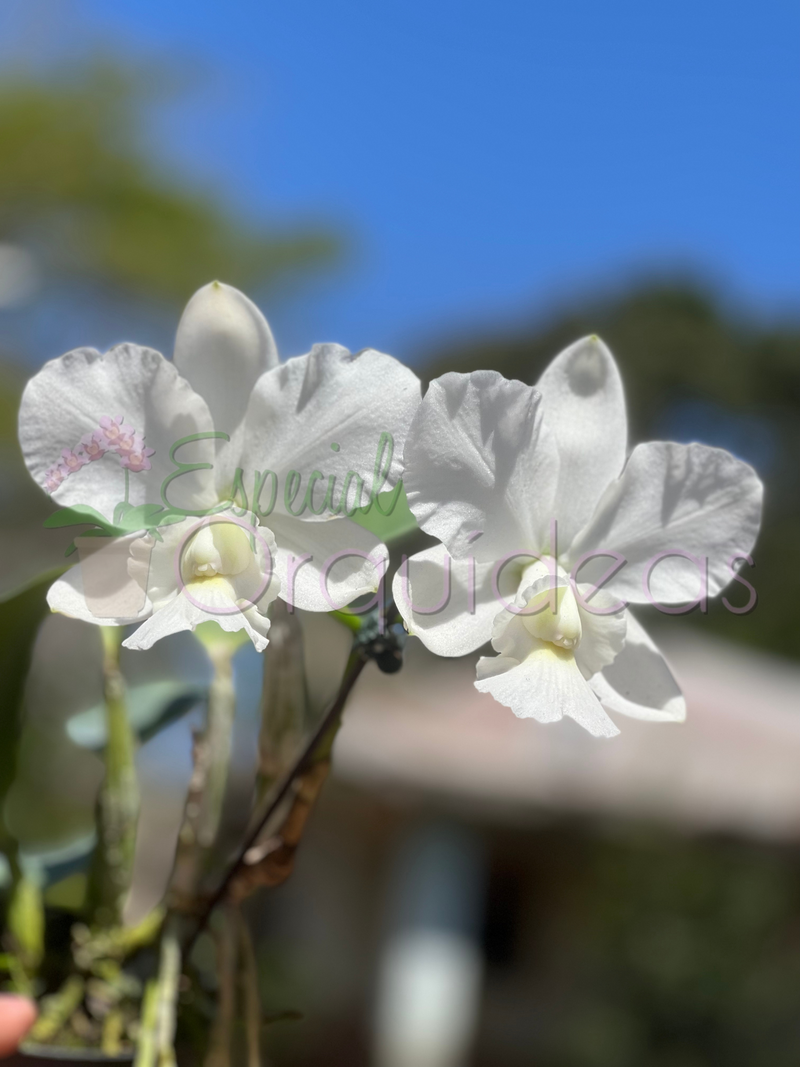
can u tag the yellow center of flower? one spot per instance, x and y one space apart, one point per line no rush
553 616
220 548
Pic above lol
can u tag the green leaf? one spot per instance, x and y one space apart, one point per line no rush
152 705
25 922
48 866
120 510
140 515
127 520
20 617
79 513
171 517
69 894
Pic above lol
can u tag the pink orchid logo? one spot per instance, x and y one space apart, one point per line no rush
112 437
137 458
73 460
94 445
53 478
115 431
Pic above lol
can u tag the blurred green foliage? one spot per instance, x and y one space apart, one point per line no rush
662 952
658 952
691 364
79 186
20 618
108 223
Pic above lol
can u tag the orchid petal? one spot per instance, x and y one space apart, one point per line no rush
319 417
222 347
182 613
544 685
584 407
699 502
639 682
69 396
324 566
433 597
477 463
603 635
99 589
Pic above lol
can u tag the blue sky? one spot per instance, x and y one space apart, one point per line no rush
487 160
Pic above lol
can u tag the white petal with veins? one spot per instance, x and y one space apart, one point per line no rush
479 462
639 683
693 500
69 397
583 405
449 604
328 412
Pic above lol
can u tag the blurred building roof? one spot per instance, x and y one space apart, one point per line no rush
734 765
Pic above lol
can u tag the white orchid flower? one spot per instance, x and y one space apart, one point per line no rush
531 495
243 469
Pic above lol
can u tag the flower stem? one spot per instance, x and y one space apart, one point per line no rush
219 1050
146 1048
300 784
58 1010
156 1044
212 751
221 711
317 746
169 974
284 699
118 801
25 921
251 998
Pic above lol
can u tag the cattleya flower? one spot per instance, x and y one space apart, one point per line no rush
236 446
548 532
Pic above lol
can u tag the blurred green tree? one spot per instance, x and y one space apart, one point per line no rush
88 209
79 186
98 215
